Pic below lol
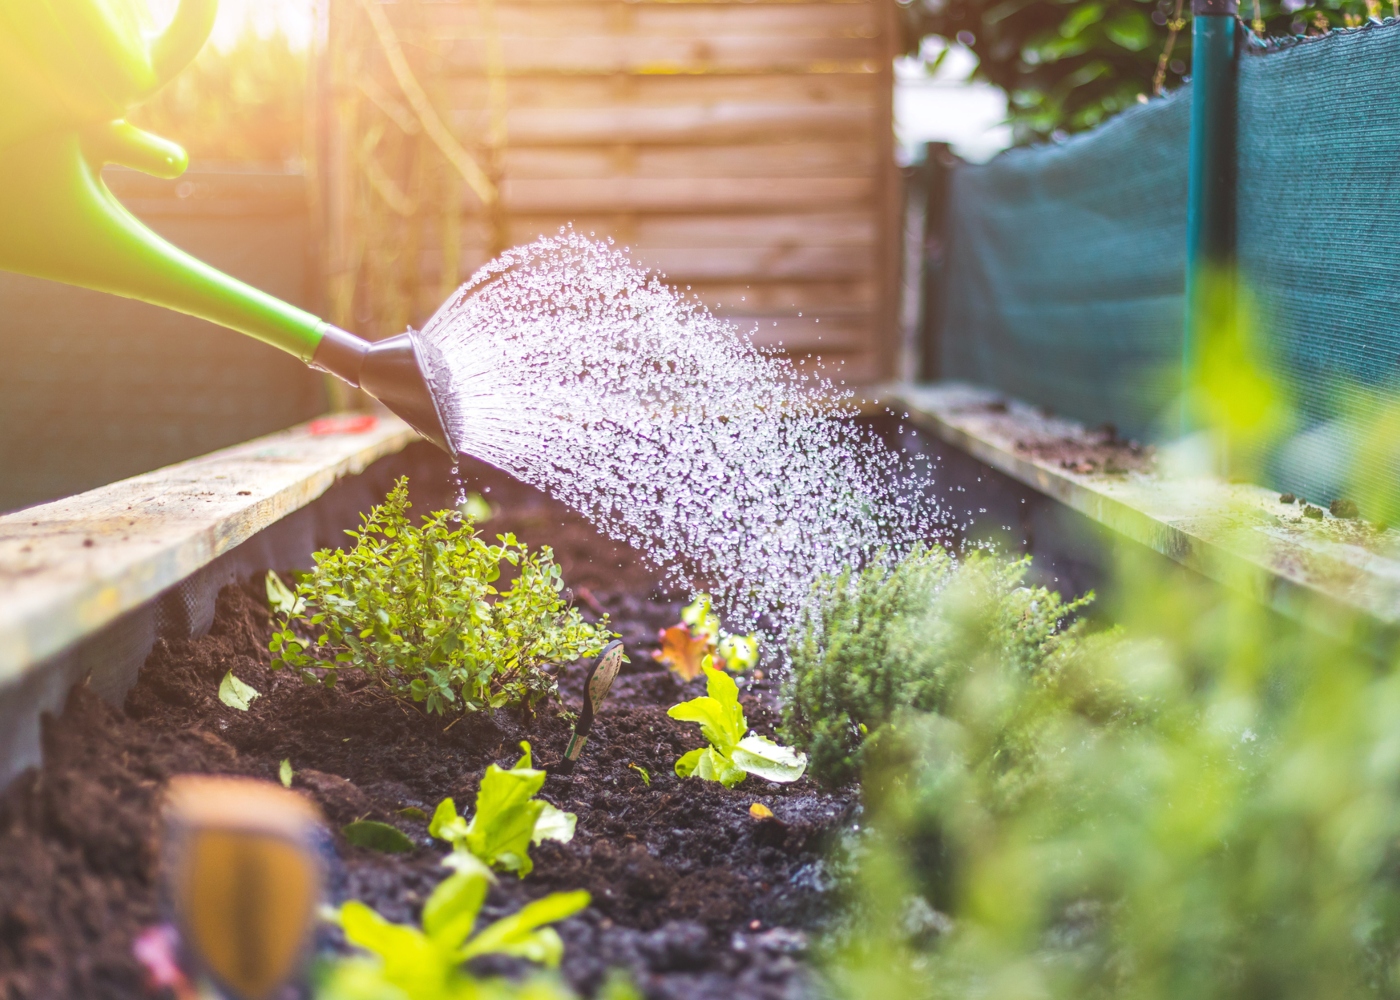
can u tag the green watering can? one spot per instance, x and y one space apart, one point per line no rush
69 72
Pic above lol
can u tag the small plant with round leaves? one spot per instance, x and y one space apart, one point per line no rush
420 608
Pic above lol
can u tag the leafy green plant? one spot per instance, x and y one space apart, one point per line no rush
508 819
899 636
426 963
731 756
416 606
1067 66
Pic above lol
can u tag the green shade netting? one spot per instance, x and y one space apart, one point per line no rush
1065 262
1318 218
1063 285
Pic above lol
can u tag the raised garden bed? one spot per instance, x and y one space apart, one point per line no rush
691 894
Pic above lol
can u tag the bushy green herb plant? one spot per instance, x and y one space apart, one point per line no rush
731 756
507 821
900 635
416 606
412 963
1205 805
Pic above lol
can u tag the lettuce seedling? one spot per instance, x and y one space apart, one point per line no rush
731 756
426 963
418 609
508 819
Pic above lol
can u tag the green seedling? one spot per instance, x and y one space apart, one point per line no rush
413 812
285 773
507 821
417 607
731 756
377 836
426 963
235 694
643 773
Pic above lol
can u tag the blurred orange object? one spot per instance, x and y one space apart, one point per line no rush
348 423
683 651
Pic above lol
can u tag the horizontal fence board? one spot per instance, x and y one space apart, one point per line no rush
646 22
800 159
730 54
661 231
743 150
681 266
624 90
822 299
757 263
701 124
683 194
805 334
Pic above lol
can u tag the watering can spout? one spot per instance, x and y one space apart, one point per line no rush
69 71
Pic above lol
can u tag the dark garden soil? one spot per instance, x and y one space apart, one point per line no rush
690 893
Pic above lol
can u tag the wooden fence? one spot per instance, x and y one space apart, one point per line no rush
742 148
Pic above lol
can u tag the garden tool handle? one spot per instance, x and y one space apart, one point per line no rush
595 689
244 879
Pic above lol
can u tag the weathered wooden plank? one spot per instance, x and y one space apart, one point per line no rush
1320 571
70 567
722 230
799 158
709 123
662 54
757 263
573 18
688 266
807 335
471 92
788 298
683 194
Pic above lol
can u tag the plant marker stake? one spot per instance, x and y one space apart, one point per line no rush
595 689
244 880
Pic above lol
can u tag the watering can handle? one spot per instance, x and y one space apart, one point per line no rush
182 40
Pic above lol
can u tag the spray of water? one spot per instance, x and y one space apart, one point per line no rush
578 372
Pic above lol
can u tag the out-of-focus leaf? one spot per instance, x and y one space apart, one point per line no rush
683 651
281 598
377 836
235 694
1131 29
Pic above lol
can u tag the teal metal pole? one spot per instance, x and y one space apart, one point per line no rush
1210 195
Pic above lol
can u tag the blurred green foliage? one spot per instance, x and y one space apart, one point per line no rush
902 636
1067 66
242 104
1203 802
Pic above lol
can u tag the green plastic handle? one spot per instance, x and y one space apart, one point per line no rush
69 72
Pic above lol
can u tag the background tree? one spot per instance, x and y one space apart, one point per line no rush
1066 66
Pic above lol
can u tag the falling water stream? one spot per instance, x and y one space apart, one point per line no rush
575 370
